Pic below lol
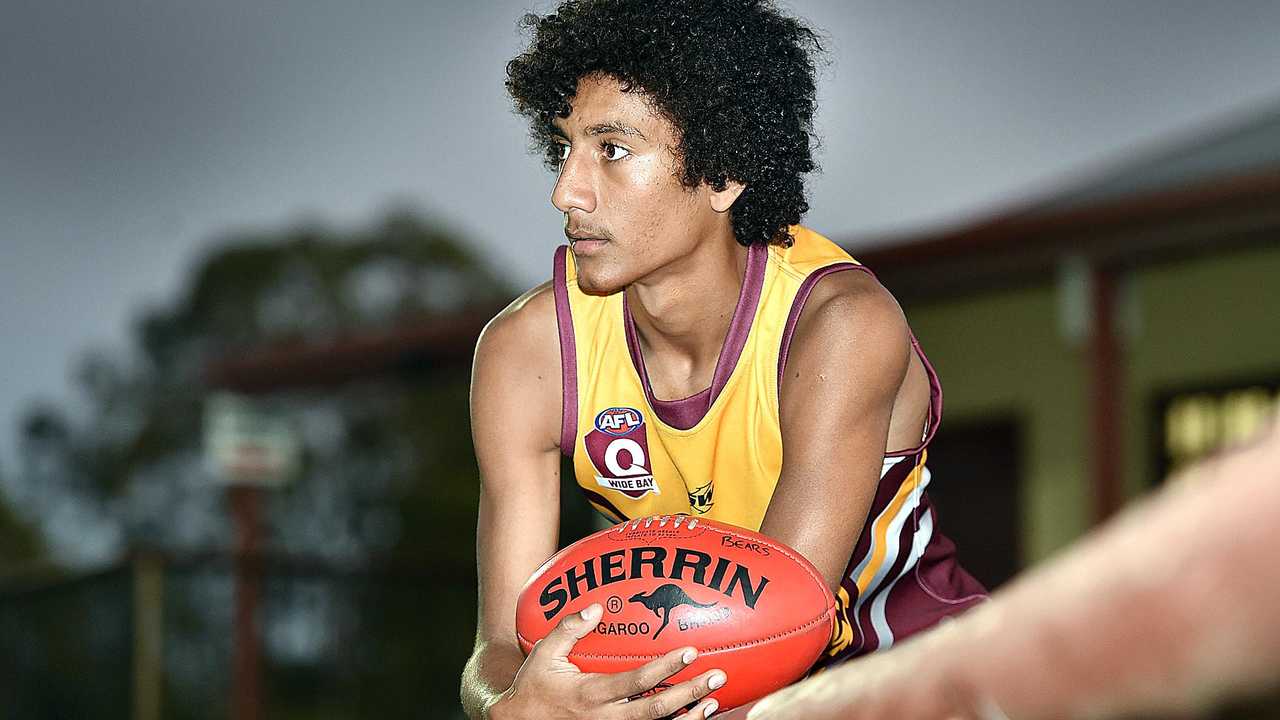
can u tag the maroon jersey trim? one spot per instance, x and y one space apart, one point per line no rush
935 402
604 504
683 414
788 330
568 354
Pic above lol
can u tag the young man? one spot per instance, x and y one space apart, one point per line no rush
691 332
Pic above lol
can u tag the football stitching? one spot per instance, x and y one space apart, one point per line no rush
720 648
801 562
727 530
713 525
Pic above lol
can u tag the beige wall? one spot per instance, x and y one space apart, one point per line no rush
1209 320
1205 320
1002 354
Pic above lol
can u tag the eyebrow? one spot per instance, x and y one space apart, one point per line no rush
604 128
614 126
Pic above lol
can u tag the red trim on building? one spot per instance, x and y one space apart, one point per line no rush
435 343
1025 244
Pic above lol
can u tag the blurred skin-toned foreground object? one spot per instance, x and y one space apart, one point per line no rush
1171 608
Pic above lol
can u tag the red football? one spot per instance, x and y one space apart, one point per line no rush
751 606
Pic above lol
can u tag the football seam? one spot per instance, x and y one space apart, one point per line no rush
802 562
828 612
727 530
707 651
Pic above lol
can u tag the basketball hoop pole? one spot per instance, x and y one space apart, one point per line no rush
249 445
246 701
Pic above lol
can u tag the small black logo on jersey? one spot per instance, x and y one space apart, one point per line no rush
666 598
700 497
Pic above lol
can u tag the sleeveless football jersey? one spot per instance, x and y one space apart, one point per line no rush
718 453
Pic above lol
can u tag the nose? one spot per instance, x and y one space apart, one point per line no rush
574 188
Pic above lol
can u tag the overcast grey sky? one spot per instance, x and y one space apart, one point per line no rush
134 134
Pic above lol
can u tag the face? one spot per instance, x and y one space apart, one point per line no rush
626 212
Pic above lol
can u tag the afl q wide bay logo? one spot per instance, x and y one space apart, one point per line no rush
619 450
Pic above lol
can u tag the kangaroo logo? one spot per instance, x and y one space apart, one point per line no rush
666 598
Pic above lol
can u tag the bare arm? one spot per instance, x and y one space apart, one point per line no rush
515 422
848 359
516 415
1169 608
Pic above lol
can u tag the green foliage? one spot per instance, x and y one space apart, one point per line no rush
243 294
61 646
388 476
19 542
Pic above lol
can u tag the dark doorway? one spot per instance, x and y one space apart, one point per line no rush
976 483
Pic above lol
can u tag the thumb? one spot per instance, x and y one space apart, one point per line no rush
571 628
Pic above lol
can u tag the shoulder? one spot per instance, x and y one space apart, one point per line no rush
851 322
527 324
853 306
516 373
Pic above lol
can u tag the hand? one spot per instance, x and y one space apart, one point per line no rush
550 687
900 683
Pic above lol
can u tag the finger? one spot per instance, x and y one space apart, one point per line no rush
571 628
618 686
677 696
704 710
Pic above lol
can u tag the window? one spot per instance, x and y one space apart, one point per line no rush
1194 423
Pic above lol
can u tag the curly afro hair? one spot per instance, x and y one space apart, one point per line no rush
734 77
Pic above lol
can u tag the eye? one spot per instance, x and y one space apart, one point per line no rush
560 151
614 152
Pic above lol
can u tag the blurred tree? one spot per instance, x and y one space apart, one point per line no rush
388 478
129 473
19 542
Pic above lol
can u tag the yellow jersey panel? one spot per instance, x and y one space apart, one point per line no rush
719 453
727 464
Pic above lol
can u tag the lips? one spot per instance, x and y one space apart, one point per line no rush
583 244
586 246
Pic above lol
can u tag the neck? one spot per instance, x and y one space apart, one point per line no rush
682 313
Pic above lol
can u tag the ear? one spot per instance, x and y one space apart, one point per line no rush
722 200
